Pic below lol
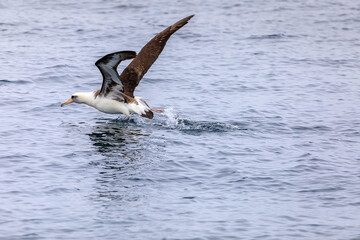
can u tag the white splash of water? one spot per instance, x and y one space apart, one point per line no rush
171 117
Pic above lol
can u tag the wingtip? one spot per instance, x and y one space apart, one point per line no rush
129 54
124 55
186 19
179 24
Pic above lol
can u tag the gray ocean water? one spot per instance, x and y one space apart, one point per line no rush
259 140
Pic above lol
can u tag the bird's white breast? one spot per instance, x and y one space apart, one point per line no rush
110 106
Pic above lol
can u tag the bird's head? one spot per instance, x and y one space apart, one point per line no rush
81 97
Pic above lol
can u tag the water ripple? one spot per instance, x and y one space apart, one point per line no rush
259 137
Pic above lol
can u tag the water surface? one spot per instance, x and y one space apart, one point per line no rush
259 139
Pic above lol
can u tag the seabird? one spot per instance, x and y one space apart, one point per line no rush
117 92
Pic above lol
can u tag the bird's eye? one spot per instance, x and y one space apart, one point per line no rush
72 97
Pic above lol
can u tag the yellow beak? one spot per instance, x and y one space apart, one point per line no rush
67 102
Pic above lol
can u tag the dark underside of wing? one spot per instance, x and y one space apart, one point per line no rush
133 73
112 86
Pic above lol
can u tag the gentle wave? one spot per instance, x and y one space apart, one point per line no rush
271 36
5 81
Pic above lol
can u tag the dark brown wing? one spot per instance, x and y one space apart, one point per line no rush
133 73
111 82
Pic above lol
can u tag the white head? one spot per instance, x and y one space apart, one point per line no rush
80 97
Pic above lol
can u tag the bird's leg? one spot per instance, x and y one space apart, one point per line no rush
154 109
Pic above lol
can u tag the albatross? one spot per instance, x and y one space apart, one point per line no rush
116 95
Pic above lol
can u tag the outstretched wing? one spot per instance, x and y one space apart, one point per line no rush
133 73
111 82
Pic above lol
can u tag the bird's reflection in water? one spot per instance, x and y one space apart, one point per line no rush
117 137
126 149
